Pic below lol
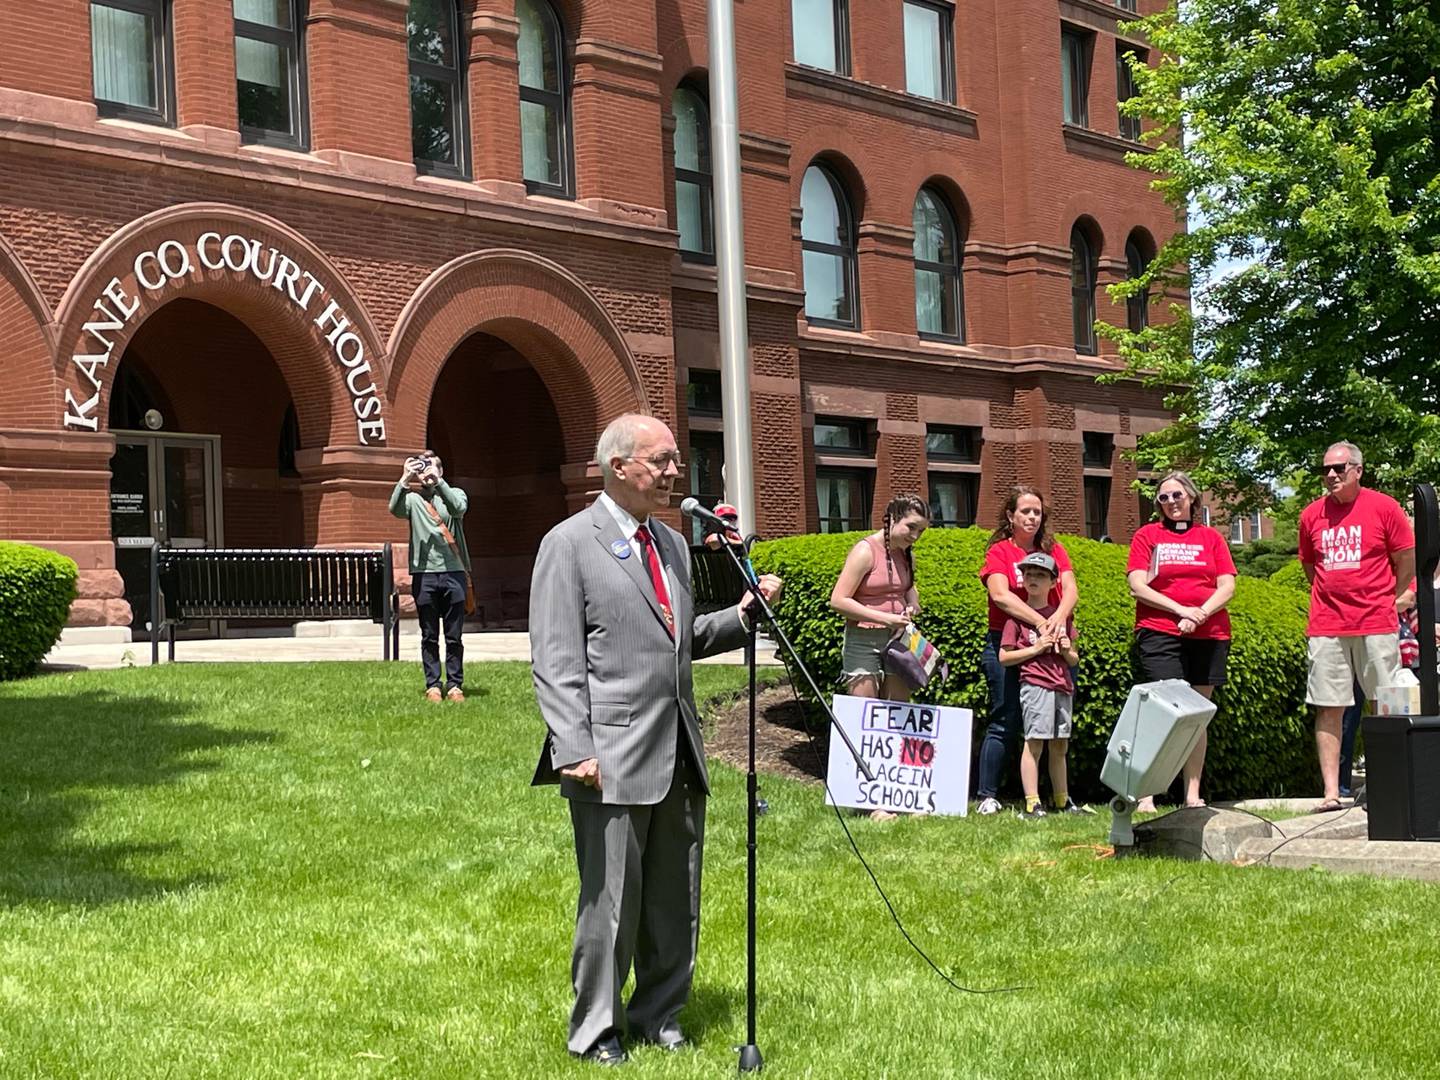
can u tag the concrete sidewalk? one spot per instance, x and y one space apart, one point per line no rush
356 643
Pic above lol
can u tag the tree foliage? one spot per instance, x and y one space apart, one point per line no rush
1309 157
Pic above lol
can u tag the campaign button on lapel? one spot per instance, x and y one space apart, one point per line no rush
621 548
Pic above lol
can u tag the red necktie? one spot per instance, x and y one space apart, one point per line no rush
657 576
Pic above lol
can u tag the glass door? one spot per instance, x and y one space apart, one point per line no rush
164 490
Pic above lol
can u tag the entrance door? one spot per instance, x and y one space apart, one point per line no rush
164 489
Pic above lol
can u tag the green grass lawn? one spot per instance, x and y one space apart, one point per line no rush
306 871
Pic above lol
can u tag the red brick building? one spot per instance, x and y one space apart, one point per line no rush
252 252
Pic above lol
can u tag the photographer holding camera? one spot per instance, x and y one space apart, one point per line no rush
439 568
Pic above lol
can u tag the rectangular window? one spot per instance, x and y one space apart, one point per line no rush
1098 451
1097 507
840 436
1125 87
842 497
707 458
130 60
929 51
269 71
703 395
1205 515
1125 5
1075 76
820 34
953 499
952 444
1255 524
437 88
1237 530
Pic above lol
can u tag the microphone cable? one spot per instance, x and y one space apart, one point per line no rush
822 771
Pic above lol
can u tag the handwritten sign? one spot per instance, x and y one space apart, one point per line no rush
920 755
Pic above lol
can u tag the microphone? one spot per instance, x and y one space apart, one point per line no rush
691 506
724 531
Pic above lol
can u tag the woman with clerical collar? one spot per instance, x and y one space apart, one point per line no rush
1182 576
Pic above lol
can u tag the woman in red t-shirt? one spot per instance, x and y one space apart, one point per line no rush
1182 576
1022 530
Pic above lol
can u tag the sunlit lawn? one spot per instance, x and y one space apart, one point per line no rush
306 871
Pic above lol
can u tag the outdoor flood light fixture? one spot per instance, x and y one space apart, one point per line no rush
1158 728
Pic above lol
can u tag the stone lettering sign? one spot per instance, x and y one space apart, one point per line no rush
171 261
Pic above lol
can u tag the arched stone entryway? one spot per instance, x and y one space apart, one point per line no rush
256 347
509 367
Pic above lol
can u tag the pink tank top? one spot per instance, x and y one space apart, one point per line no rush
885 586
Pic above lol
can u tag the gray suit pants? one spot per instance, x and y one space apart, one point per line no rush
639 901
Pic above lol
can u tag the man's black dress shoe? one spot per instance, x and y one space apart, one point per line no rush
606 1051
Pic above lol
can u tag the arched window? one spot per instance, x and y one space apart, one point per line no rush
819 31
939 294
437 87
693 198
1082 291
1137 307
544 100
827 242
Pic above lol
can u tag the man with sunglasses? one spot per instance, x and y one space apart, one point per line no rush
1358 550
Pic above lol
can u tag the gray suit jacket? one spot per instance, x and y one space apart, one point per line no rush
609 679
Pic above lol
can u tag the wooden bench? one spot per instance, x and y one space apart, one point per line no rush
263 583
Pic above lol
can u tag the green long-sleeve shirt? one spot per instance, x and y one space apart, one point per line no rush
429 553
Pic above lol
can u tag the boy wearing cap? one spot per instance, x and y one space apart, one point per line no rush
1046 689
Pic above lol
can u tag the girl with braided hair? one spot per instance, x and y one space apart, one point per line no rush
876 594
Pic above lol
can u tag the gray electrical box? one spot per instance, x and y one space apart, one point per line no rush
1158 728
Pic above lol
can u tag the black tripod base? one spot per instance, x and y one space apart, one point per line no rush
750 1059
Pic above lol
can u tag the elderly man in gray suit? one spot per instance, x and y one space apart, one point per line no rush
612 633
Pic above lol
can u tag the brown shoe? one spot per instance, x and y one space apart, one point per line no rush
455 694
433 694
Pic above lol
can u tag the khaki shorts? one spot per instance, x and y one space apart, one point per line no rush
1337 662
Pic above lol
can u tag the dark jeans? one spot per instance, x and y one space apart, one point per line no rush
1349 727
441 598
1002 736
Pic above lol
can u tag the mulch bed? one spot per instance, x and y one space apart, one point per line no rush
782 746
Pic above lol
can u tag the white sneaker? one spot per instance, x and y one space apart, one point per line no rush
989 805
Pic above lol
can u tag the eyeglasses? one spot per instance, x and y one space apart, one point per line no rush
1335 470
660 461
1170 496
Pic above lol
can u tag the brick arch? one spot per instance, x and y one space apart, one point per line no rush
315 377
30 396
836 148
539 308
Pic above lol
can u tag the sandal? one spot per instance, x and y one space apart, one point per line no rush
1329 806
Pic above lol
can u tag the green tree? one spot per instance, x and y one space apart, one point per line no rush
1309 156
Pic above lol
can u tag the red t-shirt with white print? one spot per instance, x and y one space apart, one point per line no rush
1004 557
1349 545
1184 566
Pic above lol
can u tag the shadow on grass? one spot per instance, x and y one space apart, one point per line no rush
58 756
714 1008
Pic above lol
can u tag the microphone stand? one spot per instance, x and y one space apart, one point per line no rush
750 1058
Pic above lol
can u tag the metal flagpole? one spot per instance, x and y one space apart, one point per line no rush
730 264
735 397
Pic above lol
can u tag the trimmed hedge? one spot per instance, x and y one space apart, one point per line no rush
1260 741
1292 576
36 588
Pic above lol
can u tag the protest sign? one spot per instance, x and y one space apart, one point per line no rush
920 755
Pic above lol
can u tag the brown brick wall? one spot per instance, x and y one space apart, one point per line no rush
511 328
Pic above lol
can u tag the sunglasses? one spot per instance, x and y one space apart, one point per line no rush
1170 496
1335 470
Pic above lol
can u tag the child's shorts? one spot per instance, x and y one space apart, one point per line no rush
1045 713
